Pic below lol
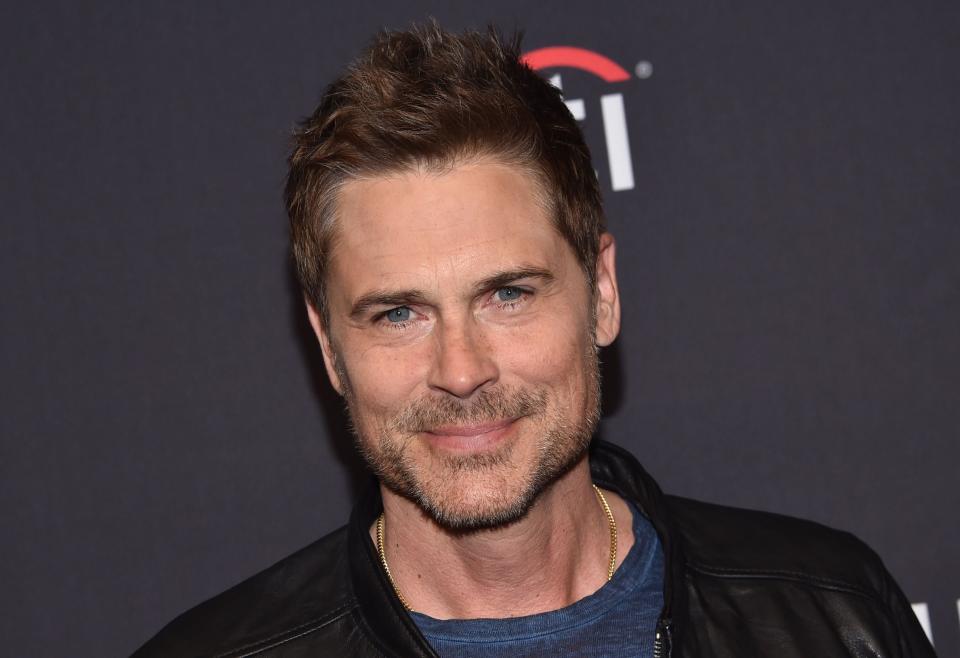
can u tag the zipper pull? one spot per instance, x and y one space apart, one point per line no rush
662 641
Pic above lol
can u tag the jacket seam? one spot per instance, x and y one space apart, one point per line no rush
784 574
284 636
372 637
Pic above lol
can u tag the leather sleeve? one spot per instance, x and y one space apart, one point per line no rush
913 641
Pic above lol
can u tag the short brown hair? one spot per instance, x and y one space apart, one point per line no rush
426 98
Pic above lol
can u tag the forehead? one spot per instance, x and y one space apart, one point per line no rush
425 229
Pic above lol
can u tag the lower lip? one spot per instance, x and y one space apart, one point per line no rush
468 439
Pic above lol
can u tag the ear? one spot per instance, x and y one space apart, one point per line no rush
607 294
323 336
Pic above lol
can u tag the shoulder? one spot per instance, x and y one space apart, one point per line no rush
819 588
297 595
730 542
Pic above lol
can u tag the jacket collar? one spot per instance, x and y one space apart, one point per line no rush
612 467
395 632
392 628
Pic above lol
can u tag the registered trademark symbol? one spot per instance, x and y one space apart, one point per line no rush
643 69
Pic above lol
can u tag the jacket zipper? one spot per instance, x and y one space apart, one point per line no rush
661 642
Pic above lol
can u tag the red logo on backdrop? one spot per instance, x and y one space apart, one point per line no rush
577 58
611 105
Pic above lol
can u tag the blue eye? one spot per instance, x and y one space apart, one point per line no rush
399 314
509 294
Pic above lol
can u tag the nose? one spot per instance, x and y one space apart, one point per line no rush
464 362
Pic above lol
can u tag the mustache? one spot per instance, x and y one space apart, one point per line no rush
488 406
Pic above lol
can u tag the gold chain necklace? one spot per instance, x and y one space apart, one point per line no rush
611 566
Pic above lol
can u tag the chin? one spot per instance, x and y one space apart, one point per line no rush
493 486
464 495
475 502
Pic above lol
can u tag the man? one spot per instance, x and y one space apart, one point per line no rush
448 234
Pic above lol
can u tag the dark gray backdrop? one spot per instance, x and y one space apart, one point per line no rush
788 259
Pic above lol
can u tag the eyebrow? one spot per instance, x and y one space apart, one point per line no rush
391 298
394 298
506 277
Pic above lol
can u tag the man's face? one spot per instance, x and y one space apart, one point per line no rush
463 335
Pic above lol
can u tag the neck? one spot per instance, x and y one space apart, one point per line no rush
555 555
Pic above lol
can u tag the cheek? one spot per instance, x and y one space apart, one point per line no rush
553 355
382 380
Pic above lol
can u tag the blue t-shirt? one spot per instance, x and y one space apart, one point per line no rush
617 621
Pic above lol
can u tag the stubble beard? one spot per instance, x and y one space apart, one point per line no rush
436 480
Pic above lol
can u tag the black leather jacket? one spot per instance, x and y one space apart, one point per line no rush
738 583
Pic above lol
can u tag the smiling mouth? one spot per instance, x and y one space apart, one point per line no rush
469 437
